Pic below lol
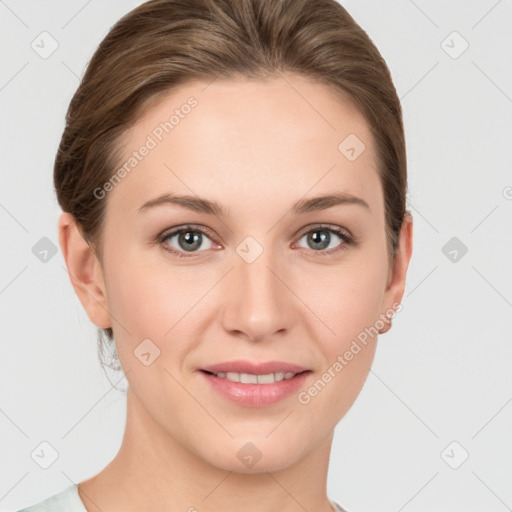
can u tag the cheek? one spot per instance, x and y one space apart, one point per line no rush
153 300
351 303
346 299
348 305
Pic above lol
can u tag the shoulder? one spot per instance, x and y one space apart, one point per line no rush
67 500
338 507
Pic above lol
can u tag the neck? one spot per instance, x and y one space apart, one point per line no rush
152 470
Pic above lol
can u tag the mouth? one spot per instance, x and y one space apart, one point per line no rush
255 384
248 372
252 378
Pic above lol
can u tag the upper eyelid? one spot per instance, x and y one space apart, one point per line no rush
327 227
190 227
300 233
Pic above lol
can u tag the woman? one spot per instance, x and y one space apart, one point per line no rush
232 176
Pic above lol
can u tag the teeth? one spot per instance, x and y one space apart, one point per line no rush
249 378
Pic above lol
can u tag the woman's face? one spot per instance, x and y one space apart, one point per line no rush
269 280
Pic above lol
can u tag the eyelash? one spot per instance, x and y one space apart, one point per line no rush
348 239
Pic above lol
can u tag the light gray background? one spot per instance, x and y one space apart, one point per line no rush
442 374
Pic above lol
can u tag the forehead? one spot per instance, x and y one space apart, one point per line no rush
274 139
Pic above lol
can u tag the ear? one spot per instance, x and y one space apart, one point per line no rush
84 271
398 271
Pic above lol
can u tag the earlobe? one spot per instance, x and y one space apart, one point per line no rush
84 271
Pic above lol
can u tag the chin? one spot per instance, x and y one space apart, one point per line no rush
253 455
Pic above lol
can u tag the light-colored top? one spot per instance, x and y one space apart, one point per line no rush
69 500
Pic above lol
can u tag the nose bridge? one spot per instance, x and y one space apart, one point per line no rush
259 304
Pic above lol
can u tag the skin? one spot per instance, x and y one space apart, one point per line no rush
256 147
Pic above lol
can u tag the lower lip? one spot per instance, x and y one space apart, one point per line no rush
256 395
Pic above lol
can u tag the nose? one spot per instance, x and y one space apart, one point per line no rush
259 304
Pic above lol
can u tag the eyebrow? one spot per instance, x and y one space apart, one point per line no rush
202 205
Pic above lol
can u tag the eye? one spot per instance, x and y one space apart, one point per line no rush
321 238
187 239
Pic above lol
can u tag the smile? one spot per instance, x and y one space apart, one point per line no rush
252 390
250 378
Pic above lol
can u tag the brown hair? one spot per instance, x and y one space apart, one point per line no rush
164 43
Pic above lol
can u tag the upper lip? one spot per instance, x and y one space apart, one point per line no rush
254 368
